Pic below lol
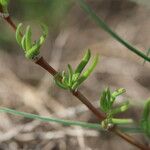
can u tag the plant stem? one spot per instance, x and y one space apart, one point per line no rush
130 139
8 19
85 101
76 93
106 28
56 120
41 62
10 22
65 122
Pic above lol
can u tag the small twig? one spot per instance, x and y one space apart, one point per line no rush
8 19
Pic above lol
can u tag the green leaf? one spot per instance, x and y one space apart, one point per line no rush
70 78
44 34
61 85
91 68
28 38
4 2
124 106
145 121
31 49
82 65
65 78
121 121
57 79
70 74
23 43
86 74
18 35
34 51
117 92
103 105
105 100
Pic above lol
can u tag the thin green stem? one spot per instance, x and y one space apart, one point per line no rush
95 126
106 28
48 119
147 54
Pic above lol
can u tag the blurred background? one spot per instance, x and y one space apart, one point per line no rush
26 87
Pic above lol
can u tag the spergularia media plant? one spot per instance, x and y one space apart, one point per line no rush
72 79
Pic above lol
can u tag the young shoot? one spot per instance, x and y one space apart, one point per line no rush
71 80
107 100
31 49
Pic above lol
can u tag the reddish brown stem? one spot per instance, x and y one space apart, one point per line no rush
41 62
84 100
130 139
8 19
10 22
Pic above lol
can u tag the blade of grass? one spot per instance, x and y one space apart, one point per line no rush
147 54
95 126
49 119
106 28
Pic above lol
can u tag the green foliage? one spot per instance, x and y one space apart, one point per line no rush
71 80
4 2
107 100
145 120
31 49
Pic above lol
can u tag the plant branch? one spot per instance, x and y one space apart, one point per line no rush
84 100
97 113
76 93
41 62
130 139
10 22
106 28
